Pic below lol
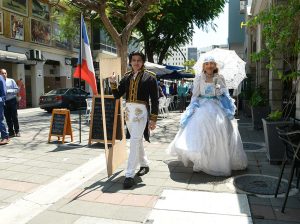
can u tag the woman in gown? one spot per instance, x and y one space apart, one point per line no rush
208 137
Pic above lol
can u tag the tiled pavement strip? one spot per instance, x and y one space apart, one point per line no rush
29 163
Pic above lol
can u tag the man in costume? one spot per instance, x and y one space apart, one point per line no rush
139 85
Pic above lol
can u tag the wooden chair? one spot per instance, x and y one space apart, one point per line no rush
166 105
161 105
172 103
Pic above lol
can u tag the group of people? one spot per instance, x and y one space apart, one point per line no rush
169 90
207 137
180 91
8 108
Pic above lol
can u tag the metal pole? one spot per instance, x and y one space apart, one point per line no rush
80 55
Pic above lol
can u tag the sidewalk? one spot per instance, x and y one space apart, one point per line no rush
49 183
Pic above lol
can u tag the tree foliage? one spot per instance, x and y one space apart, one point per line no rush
162 24
172 24
280 31
189 65
119 17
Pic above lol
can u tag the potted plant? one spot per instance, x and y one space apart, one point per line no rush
259 108
274 145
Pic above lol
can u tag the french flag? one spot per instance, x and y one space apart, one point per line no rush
85 64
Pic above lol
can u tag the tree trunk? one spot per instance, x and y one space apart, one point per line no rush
162 55
133 14
149 53
122 53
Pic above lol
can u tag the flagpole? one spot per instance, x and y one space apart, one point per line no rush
80 55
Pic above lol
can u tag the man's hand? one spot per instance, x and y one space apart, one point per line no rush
152 125
113 78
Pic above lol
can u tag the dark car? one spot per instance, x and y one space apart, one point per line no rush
71 98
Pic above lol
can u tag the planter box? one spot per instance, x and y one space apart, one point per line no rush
258 113
275 147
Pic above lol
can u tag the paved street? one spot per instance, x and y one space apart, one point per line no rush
67 184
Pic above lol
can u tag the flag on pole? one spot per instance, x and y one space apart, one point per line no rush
85 64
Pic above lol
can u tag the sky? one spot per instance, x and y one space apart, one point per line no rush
205 39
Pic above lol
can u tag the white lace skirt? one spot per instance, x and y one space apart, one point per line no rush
211 141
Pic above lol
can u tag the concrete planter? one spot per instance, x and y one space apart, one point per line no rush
275 147
258 113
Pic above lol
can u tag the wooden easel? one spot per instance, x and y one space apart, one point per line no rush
60 125
115 146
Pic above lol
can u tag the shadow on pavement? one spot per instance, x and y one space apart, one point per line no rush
64 147
102 184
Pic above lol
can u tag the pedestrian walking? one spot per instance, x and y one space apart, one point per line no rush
182 90
139 85
11 105
4 134
207 136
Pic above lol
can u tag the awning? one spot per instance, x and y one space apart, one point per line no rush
177 75
175 68
12 57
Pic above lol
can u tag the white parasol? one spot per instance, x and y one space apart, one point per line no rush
231 66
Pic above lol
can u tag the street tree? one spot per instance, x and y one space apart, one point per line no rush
119 18
173 25
189 65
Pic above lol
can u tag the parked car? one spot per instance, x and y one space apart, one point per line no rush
71 98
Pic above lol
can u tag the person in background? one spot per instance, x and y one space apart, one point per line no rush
163 87
171 89
11 105
160 91
175 92
182 90
4 134
21 94
139 85
175 89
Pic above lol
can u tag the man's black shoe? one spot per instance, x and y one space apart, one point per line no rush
143 171
128 182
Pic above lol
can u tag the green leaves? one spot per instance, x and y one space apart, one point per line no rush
257 98
258 55
280 30
275 116
189 64
172 24
69 23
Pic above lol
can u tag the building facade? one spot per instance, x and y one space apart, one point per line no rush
203 50
184 53
275 89
32 49
236 33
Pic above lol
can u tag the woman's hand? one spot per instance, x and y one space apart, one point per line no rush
218 90
152 125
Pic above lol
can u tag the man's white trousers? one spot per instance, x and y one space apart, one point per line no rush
136 116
